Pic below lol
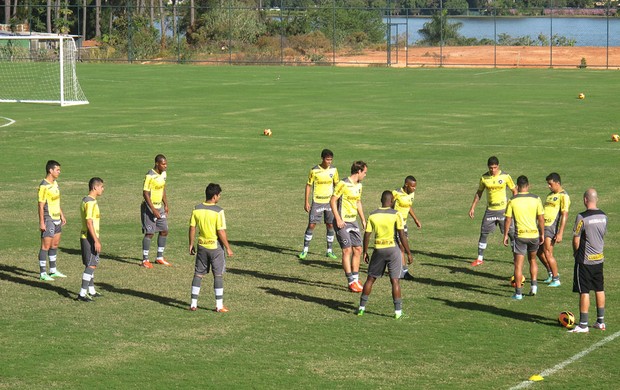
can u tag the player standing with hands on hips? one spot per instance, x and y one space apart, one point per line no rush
154 211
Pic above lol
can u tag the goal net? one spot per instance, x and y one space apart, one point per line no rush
39 69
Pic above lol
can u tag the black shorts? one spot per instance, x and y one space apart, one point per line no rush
587 278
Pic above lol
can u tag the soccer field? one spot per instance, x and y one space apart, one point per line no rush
292 322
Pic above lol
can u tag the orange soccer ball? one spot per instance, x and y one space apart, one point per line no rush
615 138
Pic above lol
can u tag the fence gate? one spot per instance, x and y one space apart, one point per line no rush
397 35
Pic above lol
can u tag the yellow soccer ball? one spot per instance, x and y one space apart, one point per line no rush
582 96
615 138
267 132
512 280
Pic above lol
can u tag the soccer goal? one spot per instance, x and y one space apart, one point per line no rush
39 69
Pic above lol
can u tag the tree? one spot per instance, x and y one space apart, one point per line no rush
439 30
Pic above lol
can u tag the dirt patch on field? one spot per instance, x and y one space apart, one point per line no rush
489 56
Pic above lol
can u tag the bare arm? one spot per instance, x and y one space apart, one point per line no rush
165 200
91 230
307 198
576 242
221 234
147 198
333 202
560 233
365 247
541 228
404 241
192 235
360 212
415 219
42 216
477 196
507 223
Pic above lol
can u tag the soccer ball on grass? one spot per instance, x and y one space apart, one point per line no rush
615 138
267 132
581 96
566 319
512 280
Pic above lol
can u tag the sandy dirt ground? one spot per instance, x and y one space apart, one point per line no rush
489 56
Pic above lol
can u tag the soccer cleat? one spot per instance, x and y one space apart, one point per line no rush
193 308
146 264
361 286
555 283
222 309
331 255
533 290
579 329
517 297
85 298
58 274
549 279
400 316
477 262
360 312
96 295
407 276
303 255
46 278
355 287
163 262
599 325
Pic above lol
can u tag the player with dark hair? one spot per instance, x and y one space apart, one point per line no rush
210 221
495 182
154 211
321 182
51 221
527 211
346 204
403 203
588 244
556 214
89 239
386 223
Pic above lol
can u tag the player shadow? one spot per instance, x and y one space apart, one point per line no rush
143 295
6 271
281 278
262 247
459 285
441 256
468 271
103 256
516 315
345 307
334 264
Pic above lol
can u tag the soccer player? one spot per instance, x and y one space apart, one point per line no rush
154 211
527 211
556 214
495 182
346 204
386 223
588 244
211 223
89 239
51 221
403 203
321 182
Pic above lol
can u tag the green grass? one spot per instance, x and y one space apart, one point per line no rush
292 323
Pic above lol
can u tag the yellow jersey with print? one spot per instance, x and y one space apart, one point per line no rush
349 194
89 210
384 222
208 218
49 193
155 183
322 181
555 205
524 208
403 202
496 189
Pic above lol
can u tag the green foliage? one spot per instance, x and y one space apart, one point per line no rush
133 36
583 64
456 7
340 23
440 30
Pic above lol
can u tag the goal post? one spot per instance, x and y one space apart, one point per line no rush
39 68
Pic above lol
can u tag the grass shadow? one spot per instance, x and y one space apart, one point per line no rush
144 295
334 264
345 307
128 260
459 285
474 306
468 271
281 278
6 271
262 247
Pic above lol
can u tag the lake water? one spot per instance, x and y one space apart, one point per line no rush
585 31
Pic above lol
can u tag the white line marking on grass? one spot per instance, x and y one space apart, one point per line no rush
456 145
491 72
572 359
9 120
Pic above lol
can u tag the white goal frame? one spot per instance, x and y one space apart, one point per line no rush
58 52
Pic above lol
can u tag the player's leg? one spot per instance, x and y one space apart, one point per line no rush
582 285
148 228
552 264
328 218
396 296
543 259
519 257
201 268
404 274
90 261
600 310
584 305
52 254
162 227
356 255
307 238
365 294
393 263
487 227
218 264
46 243
533 271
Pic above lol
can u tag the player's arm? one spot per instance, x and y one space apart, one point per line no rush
405 243
576 242
307 198
192 235
477 196
221 234
560 233
365 247
164 199
360 212
91 231
507 223
63 221
415 219
541 228
147 198
42 216
333 202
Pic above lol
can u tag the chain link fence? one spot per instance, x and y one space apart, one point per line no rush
233 32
